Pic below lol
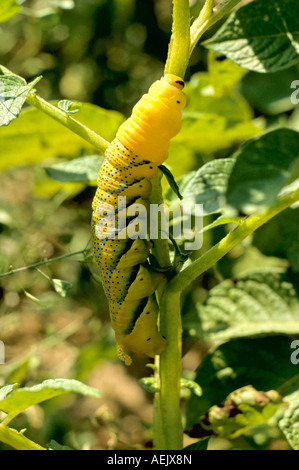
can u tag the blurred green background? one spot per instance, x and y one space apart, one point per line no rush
105 52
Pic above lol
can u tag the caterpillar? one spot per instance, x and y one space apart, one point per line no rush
131 161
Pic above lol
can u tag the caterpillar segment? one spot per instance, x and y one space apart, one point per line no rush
131 161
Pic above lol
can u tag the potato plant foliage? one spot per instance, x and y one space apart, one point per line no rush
71 73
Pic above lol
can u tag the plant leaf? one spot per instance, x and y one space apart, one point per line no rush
286 242
53 445
260 36
242 409
263 166
8 9
61 286
199 445
17 440
7 390
150 384
36 136
70 107
20 399
191 385
263 363
208 185
83 169
258 303
289 424
13 93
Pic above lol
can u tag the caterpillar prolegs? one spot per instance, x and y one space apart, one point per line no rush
132 160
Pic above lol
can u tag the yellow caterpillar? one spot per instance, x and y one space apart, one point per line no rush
132 160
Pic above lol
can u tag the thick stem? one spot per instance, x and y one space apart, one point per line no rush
168 431
63 118
178 53
168 399
17 440
168 426
197 25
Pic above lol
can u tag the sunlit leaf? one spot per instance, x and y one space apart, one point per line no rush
70 107
36 136
258 303
289 424
8 9
263 166
13 93
20 399
262 36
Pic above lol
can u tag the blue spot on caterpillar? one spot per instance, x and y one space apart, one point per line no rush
132 160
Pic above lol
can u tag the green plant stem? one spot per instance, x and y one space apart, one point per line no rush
168 429
63 118
168 399
168 425
178 53
206 19
41 263
17 440
208 259
197 26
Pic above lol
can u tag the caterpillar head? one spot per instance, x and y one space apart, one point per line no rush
173 80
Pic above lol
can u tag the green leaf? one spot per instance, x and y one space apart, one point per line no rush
17 440
83 169
20 399
35 299
263 363
215 116
262 36
94 353
171 181
258 303
219 11
36 136
61 287
289 424
13 93
266 99
242 409
150 384
205 96
53 445
208 185
263 166
199 445
8 9
7 390
224 74
208 133
70 107
191 385
286 242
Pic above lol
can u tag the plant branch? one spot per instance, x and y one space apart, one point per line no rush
17 440
206 19
178 52
168 431
41 263
248 226
63 118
